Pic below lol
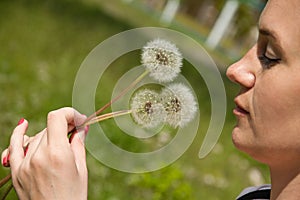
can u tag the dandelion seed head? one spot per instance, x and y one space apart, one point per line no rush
179 103
162 59
147 111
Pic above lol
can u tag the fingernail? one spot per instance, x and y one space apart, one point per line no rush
25 150
5 161
86 129
21 121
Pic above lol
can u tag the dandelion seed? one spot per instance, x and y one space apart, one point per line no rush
147 111
162 59
179 104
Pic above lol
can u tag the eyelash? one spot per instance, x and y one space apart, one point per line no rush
268 62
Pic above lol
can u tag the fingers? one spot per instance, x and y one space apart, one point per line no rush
60 122
4 158
77 146
16 151
34 143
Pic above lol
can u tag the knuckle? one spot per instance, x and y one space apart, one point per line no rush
54 158
52 115
56 113
37 161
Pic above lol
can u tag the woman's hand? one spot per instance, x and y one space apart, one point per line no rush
54 166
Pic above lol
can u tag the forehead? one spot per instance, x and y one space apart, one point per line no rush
282 12
282 17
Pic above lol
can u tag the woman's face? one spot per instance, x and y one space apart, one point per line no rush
268 105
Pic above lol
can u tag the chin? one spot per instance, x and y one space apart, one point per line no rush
245 145
242 141
237 138
238 143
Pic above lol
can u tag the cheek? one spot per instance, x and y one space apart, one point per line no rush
276 105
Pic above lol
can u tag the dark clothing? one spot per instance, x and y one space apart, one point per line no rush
255 193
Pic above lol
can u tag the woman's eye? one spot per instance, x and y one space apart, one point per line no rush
268 62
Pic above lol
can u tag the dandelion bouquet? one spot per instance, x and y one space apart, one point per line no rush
173 105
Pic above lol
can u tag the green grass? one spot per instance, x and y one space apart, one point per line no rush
42 45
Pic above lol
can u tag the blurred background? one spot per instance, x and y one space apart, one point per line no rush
43 43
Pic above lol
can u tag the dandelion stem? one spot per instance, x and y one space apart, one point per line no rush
5 180
134 83
6 192
107 116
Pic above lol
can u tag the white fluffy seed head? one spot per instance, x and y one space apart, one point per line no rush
179 103
147 111
162 59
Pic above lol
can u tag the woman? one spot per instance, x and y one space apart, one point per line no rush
268 105
268 119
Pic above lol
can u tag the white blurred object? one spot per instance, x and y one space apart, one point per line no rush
169 11
222 23
255 177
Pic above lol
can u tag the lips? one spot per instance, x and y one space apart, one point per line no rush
240 109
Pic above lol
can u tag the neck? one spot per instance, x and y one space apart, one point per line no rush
285 181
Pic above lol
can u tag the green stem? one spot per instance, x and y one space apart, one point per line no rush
134 83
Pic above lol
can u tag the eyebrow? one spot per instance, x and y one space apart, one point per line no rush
270 33
267 32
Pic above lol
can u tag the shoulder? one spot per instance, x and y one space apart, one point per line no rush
260 192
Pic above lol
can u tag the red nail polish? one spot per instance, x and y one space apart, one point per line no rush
6 164
86 129
25 150
4 160
21 121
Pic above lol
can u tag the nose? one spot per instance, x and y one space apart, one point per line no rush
243 71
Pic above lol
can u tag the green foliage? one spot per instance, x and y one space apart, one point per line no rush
168 183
